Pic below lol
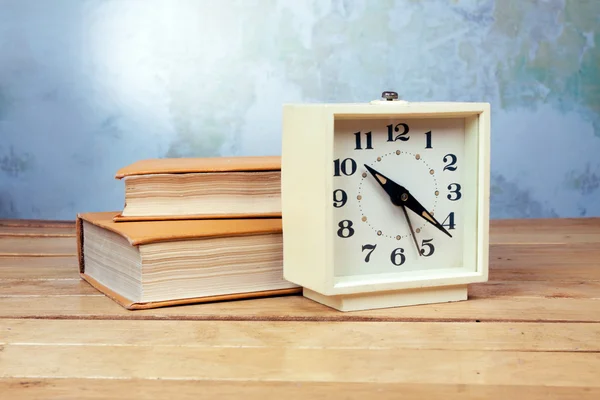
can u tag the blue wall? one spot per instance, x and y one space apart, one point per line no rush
87 87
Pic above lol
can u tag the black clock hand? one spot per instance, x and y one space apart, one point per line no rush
399 196
390 188
415 206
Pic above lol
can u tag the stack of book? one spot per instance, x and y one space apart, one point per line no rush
192 230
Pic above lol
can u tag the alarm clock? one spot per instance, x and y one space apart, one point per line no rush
385 203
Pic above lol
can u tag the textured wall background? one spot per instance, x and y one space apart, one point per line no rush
89 86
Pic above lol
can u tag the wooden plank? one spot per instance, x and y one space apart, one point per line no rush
571 262
545 231
303 365
298 308
36 230
582 337
556 238
48 245
44 288
78 287
40 223
528 225
495 289
143 389
34 268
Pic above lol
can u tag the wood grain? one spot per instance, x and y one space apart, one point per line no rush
37 223
38 245
36 268
531 332
513 289
559 225
193 389
545 231
547 337
297 308
303 365
37 231
44 288
527 262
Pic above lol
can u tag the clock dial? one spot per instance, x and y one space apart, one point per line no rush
397 195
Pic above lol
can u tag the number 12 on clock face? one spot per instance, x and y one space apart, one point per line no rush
398 195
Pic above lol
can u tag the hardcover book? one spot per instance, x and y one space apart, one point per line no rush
194 188
148 264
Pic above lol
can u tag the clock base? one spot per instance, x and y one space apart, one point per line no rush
397 298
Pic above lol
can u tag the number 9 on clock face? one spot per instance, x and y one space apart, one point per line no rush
422 158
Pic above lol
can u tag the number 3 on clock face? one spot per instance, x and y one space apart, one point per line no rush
398 198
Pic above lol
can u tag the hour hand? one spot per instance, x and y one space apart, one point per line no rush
391 188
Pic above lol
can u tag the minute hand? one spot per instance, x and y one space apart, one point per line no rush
400 196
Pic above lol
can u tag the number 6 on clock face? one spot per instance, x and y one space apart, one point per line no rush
386 203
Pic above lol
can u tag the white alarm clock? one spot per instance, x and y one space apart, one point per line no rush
385 203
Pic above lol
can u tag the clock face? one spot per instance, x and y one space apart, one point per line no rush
423 162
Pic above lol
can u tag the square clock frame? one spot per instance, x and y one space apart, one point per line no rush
386 203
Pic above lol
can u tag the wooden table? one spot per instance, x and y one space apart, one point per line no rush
532 332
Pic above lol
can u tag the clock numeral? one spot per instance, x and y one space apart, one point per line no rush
400 136
346 229
371 248
428 137
426 244
455 191
347 167
369 141
450 219
338 203
451 166
398 258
